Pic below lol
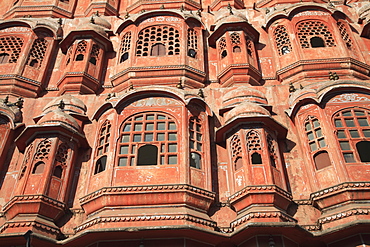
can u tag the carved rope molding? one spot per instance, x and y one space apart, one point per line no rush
339 187
29 224
149 188
145 218
345 214
270 214
260 189
35 198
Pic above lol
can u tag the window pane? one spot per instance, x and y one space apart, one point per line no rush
318 133
162 160
322 143
198 127
313 146
172 159
172 148
139 118
363 122
149 137
310 136
172 137
160 137
316 123
359 113
341 134
137 138
133 149
348 157
160 117
347 113
354 133
350 122
308 126
127 128
199 137
100 151
122 161
138 127
191 144
125 138
171 126
338 123
345 145
191 126
366 133
132 161
149 126
101 141
161 126
124 150
150 117
199 146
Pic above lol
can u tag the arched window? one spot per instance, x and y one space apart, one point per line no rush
345 35
125 47
192 43
316 142
10 48
254 147
81 50
4 58
195 141
222 47
58 171
38 168
314 33
153 132
236 152
352 127
102 147
158 41
282 40
94 54
37 53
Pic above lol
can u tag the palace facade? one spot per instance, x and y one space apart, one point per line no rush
192 123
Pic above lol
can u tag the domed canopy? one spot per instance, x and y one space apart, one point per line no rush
71 104
246 109
242 94
59 117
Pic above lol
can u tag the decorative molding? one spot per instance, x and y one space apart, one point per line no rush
38 225
30 198
303 202
3 77
260 189
312 227
268 214
339 187
349 97
149 188
145 218
345 214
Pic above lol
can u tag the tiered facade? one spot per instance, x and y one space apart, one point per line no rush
185 123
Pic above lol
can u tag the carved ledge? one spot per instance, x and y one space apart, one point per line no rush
30 224
339 188
262 215
129 219
345 214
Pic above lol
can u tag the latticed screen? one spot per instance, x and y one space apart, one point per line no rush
254 147
196 141
272 150
81 50
282 40
103 141
222 47
148 139
345 35
125 47
158 41
10 49
314 133
192 39
37 53
352 129
94 55
313 34
236 152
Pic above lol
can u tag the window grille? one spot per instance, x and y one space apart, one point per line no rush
195 142
282 41
236 152
312 33
125 47
37 53
10 49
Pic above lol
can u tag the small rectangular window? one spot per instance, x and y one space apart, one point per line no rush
122 161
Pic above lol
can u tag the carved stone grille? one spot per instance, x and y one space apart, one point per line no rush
94 54
192 39
104 138
236 152
150 37
37 53
12 46
282 40
62 154
43 150
253 141
235 38
250 48
272 150
125 47
345 35
81 47
311 29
